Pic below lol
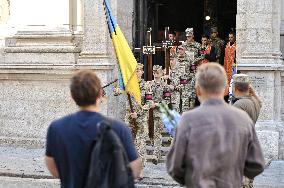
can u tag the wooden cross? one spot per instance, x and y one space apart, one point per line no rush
149 50
165 47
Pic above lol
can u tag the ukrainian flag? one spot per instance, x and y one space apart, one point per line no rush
126 61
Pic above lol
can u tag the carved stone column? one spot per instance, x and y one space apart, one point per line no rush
258 54
4 11
95 39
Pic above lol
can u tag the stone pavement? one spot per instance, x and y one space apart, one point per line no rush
272 177
25 168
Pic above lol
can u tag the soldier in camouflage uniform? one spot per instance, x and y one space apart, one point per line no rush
186 71
192 48
174 76
158 86
218 44
140 116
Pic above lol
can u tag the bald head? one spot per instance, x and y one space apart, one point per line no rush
211 78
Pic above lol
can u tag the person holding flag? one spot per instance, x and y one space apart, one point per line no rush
140 115
127 63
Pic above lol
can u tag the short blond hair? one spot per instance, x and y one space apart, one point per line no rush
211 77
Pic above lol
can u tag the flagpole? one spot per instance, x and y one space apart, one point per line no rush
128 95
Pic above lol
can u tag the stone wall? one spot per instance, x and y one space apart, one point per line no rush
282 27
35 68
258 40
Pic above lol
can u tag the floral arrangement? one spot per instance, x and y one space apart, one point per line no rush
170 118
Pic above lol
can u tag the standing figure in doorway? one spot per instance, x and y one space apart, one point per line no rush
207 51
230 57
192 47
218 44
173 39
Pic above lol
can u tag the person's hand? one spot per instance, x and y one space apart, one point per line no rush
251 91
172 87
166 77
153 105
133 115
145 107
117 92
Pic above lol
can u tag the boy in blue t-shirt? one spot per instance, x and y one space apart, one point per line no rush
69 139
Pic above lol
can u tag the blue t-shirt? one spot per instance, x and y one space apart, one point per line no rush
69 142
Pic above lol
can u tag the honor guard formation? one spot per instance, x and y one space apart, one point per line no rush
188 106
174 86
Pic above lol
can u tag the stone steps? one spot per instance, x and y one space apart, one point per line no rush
17 182
166 142
25 168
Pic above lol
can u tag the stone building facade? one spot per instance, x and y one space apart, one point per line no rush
259 55
37 61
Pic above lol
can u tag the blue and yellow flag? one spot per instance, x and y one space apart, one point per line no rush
126 61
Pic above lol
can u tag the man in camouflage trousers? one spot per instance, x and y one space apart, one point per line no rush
187 82
157 86
174 76
140 116
218 44
192 49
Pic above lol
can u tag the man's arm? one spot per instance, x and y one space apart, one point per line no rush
127 141
136 167
253 94
176 157
51 166
254 164
50 149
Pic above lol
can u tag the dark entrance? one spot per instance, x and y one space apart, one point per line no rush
179 15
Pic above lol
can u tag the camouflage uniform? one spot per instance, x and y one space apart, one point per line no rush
185 83
192 49
175 82
141 121
192 94
157 87
218 44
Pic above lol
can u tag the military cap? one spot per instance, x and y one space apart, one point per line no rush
189 32
157 68
214 29
182 45
241 78
140 66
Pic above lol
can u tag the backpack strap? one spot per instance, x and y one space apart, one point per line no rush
103 125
